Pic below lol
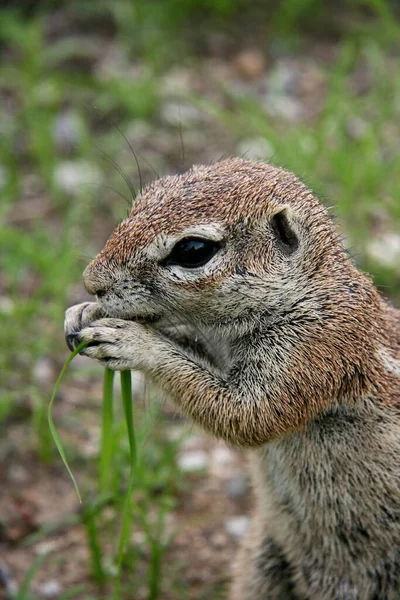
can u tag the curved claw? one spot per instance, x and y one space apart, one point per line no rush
72 340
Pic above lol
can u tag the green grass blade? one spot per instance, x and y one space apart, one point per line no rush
95 550
106 444
23 592
73 592
50 421
126 392
157 548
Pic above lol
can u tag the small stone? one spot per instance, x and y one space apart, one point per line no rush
176 81
7 583
237 486
69 175
16 533
138 538
116 65
193 442
255 148
282 79
43 371
68 128
356 127
221 455
385 249
237 526
50 589
221 462
90 446
250 64
179 113
46 547
6 305
280 105
138 131
196 460
18 474
281 87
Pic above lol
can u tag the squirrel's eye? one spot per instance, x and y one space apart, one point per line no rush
192 252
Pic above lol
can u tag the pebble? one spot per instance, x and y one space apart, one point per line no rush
194 442
237 526
222 456
116 65
138 132
385 249
18 474
280 105
69 174
91 444
278 100
7 583
250 64
222 461
67 130
255 148
46 547
179 113
282 79
50 589
196 460
6 305
237 486
356 127
43 371
176 81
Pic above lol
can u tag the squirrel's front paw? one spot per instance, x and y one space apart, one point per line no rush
77 317
118 344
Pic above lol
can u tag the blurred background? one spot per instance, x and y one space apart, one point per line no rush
310 85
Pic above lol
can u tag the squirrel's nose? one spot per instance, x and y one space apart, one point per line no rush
93 281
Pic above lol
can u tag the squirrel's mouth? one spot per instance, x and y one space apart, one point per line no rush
129 315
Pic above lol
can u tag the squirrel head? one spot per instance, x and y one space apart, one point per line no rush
218 245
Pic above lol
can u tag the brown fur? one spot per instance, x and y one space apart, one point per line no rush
298 358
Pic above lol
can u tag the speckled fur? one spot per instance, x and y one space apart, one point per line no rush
295 356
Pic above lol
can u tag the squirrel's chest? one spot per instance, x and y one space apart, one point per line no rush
295 488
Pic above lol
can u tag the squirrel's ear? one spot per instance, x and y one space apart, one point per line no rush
283 229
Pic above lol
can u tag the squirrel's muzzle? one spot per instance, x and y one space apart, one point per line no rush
96 279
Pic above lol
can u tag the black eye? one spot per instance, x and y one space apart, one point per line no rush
192 252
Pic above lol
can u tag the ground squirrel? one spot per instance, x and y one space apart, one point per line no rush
230 288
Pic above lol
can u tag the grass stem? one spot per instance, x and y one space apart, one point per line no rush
50 421
126 392
106 443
